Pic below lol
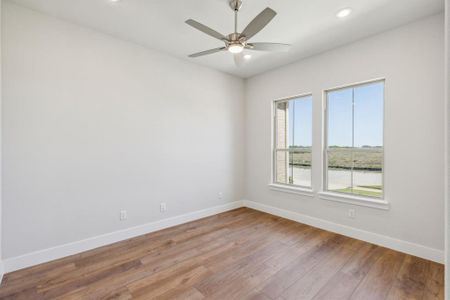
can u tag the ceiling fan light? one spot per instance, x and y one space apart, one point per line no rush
343 13
236 48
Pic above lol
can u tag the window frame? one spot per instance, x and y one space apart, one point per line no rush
342 196
278 186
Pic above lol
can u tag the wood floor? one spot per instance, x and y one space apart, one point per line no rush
241 254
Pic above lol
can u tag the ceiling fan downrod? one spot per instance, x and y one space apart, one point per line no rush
235 6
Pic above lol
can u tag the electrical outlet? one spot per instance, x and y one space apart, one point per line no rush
163 207
123 215
220 195
351 213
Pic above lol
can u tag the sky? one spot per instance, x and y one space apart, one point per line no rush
300 121
368 117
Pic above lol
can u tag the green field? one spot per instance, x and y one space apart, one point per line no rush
366 159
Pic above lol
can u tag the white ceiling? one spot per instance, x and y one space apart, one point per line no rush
310 25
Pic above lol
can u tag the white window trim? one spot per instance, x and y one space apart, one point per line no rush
355 200
292 189
373 202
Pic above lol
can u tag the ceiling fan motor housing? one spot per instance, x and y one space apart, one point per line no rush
236 38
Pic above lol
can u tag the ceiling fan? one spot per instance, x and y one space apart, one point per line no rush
236 42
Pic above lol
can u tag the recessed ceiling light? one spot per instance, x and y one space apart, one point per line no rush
247 56
114 1
344 13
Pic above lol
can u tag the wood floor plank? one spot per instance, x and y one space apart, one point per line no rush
259 296
149 272
411 279
255 241
168 238
240 254
308 285
434 287
378 282
152 272
142 290
235 280
182 293
162 253
11 286
305 262
344 282
121 294
52 291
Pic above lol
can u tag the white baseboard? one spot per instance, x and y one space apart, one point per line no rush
373 238
46 255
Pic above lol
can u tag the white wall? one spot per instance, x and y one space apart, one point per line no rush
1 213
411 60
93 125
447 154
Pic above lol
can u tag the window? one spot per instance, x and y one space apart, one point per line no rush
293 141
354 151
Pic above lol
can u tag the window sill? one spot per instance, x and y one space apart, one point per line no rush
291 189
361 201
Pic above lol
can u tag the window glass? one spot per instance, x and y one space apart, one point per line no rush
293 141
354 146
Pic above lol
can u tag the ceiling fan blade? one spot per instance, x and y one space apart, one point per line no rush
259 22
239 59
207 52
206 29
275 47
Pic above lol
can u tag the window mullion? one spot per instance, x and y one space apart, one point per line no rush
353 140
291 167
